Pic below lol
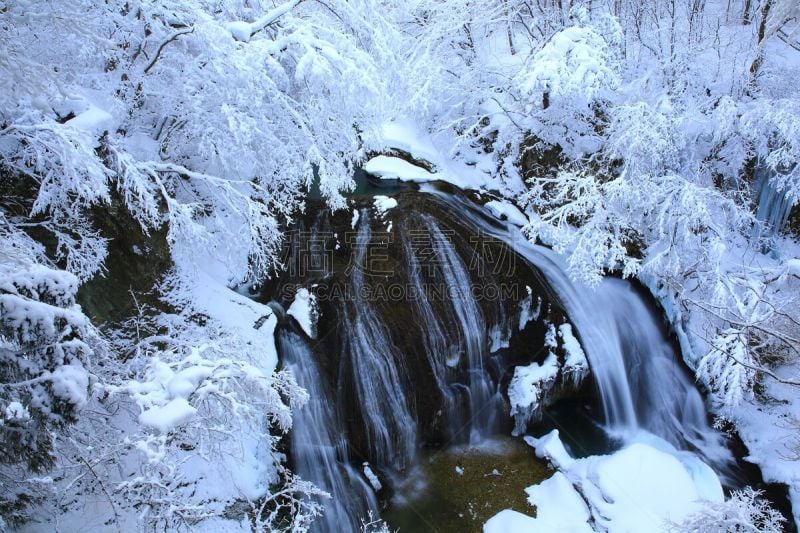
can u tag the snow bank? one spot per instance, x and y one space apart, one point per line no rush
94 120
250 321
770 430
507 521
458 174
551 449
559 507
394 168
638 488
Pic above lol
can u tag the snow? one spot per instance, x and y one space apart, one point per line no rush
304 310
371 477
638 488
383 204
529 388
167 417
575 61
507 211
209 294
394 168
94 120
16 411
575 354
454 172
509 521
770 431
526 314
576 367
559 507
184 382
243 31
793 267
551 449
405 135
240 30
70 383
316 73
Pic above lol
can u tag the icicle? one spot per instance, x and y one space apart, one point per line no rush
773 209
499 337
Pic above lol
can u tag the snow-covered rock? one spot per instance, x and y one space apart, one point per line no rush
304 310
641 487
383 204
507 211
529 388
559 507
394 168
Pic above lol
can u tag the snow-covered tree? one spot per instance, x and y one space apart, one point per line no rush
46 350
745 511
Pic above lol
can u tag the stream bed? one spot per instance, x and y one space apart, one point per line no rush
457 489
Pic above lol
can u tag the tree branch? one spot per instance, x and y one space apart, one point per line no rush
161 48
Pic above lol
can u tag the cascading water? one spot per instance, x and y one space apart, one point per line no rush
439 351
375 368
485 402
319 448
643 388
641 384
665 400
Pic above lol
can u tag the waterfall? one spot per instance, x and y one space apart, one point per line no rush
643 387
319 448
641 383
773 208
375 369
466 316
439 351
